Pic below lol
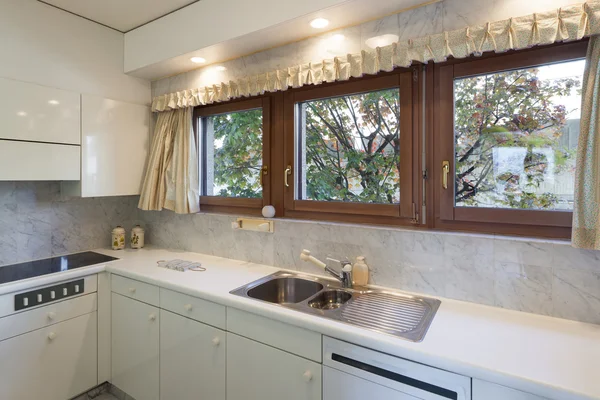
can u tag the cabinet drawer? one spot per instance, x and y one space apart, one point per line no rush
40 317
194 308
286 337
54 363
135 289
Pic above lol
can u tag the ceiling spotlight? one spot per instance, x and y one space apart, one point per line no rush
220 68
381 41
197 60
22 114
54 102
319 23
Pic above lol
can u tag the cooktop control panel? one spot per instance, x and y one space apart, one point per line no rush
48 294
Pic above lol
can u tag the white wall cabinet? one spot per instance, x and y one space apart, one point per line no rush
115 139
192 359
256 372
38 113
29 161
57 362
483 390
135 347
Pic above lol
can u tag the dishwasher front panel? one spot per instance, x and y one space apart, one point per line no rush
416 380
338 385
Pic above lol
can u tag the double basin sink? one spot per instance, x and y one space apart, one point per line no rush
395 313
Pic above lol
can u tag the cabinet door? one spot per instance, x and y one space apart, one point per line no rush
192 359
135 334
256 372
57 362
483 390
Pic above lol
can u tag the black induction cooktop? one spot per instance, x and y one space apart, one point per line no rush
31 269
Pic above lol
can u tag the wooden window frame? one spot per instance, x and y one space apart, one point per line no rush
404 213
440 105
237 205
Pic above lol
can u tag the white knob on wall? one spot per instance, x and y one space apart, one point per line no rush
51 336
51 315
307 376
152 317
188 307
216 341
131 290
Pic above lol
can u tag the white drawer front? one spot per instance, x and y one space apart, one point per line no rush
29 161
7 301
135 289
286 337
54 363
17 324
194 308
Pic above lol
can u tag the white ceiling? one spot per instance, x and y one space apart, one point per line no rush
122 15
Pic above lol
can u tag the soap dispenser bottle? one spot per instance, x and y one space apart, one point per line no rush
360 272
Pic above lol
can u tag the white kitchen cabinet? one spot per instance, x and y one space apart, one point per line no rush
115 139
192 359
30 161
38 113
337 386
256 372
483 390
57 362
135 347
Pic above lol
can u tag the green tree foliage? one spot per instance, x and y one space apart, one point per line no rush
509 109
353 148
238 153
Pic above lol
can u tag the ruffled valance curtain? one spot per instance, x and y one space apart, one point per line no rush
171 179
586 213
565 24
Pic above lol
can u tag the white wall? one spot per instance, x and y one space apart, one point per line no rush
47 46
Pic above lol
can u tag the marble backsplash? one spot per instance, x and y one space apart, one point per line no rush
537 276
37 222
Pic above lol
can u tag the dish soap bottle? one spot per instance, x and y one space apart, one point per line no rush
360 272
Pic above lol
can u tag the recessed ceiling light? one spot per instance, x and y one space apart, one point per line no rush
198 60
22 114
54 102
319 23
220 68
381 41
338 37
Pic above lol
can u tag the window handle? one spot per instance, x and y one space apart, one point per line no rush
287 172
445 171
264 171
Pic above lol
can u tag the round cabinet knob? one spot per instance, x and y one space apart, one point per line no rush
188 307
131 290
307 376
152 317
51 315
216 341
51 336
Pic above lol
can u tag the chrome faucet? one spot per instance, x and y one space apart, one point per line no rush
345 275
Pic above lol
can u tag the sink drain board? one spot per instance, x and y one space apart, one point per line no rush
398 315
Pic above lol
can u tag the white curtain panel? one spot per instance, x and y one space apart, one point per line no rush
586 213
171 179
565 24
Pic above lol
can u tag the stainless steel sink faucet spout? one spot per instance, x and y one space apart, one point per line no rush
344 276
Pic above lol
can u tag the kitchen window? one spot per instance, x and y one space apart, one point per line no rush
350 150
234 156
506 138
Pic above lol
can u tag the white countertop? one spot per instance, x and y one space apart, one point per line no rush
550 357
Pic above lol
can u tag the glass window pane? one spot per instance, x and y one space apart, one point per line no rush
516 137
233 154
349 148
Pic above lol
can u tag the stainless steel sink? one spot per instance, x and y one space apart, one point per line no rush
385 311
330 299
285 290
